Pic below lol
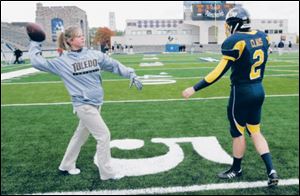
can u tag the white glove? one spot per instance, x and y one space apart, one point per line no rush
135 81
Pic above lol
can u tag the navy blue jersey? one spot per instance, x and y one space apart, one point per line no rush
246 53
249 52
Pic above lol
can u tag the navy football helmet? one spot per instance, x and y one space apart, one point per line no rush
237 19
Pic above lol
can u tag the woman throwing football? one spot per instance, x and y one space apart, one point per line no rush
79 68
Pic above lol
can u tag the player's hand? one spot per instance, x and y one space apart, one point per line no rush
188 92
135 81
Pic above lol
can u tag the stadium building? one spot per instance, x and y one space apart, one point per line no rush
202 24
52 19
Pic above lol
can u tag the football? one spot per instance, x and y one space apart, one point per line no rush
35 32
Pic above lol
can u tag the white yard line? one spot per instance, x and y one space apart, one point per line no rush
18 73
179 189
116 80
14 67
140 101
271 75
24 83
282 70
211 67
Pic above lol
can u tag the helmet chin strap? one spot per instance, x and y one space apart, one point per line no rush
233 31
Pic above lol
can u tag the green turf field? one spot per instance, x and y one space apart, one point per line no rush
37 124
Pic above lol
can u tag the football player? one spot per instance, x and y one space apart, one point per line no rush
245 51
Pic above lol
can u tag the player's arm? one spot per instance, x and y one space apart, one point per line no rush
36 35
232 51
39 62
108 64
211 78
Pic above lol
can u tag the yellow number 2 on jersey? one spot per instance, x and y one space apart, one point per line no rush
255 73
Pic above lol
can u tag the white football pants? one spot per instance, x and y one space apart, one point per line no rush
90 122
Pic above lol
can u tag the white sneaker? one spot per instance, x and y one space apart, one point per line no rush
115 177
74 171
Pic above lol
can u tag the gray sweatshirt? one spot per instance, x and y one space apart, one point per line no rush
80 72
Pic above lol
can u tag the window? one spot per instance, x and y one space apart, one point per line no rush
139 24
131 24
157 24
149 32
151 23
267 31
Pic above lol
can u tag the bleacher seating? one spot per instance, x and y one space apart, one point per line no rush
17 37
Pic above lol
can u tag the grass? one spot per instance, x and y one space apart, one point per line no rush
34 138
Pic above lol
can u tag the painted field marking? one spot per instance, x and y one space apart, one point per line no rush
116 80
179 189
139 101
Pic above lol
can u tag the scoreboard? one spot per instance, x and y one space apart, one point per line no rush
212 11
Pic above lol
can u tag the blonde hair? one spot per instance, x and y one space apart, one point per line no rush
66 36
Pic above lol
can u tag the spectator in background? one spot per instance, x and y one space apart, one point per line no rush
118 48
131 49
18 53
106 48
290 45
280 47
112 49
